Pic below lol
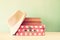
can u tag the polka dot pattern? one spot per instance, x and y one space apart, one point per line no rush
31 30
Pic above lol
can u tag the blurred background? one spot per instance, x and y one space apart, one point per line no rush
47 10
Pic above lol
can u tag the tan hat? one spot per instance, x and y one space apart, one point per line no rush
16 20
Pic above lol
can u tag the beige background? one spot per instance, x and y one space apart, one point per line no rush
48 10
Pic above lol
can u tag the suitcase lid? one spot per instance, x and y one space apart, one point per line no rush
16 20
29 19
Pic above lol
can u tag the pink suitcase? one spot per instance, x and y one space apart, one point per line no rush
31 30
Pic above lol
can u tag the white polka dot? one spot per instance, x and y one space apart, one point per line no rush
36 26
32 29
41 30
40 26
21 33
25 33
30 33
26 26
28 30
22 26
31 26
39 33
37 30
34 33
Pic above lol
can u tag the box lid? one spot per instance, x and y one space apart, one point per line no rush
16 20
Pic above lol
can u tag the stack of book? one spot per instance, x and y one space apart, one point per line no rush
28 26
